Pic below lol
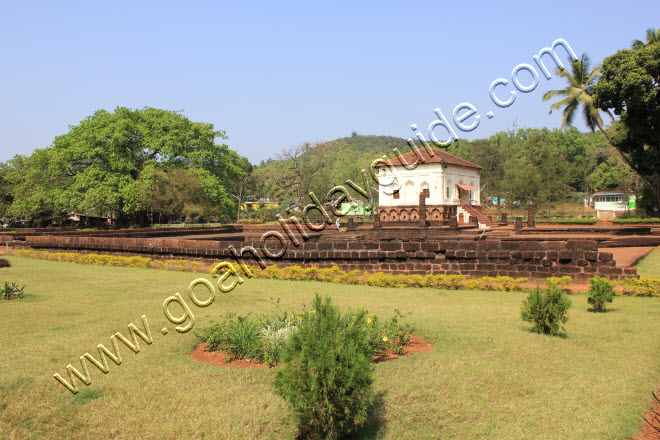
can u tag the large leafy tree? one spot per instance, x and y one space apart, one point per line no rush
6 197
112 162
37 185
630 86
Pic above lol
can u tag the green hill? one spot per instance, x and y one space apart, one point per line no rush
318 167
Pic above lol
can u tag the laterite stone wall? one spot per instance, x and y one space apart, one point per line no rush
579 259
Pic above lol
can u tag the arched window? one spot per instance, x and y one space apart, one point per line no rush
425 190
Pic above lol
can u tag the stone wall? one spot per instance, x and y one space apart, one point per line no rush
579 259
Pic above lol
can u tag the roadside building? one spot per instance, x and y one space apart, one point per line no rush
613 203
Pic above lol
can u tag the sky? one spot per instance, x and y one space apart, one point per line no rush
278 74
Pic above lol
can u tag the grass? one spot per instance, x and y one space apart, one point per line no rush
487 377
650 265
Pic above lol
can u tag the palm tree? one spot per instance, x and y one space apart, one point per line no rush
578 94
652 36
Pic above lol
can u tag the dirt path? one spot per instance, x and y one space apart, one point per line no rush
628 256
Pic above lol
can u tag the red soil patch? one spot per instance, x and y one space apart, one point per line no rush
650 432
220 358
416 345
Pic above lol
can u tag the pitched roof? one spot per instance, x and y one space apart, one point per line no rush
439 156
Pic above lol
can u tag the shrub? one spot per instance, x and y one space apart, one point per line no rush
243 337
293 273
273 272
11 291
483 283
352 277
274 336
510 284
330 274
643 286
327 377
238 335
4 263
564 283
546 309
600 293
234 335
452 282
391 336
380 279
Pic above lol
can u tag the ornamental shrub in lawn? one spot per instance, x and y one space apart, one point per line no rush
546 309
327 375
11 291
600 293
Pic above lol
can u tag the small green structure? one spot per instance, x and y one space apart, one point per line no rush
356 207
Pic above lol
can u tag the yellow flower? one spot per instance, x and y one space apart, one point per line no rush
385 338
312 311
369 320
298 318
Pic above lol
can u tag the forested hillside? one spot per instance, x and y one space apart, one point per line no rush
318 167
526 164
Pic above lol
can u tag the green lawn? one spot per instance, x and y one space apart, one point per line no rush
650 265
486 378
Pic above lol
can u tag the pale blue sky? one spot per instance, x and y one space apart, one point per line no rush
274 75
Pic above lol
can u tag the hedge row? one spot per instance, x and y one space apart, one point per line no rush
381 279
570 221
636 220
643 286
113 260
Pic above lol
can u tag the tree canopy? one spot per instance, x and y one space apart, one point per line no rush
126 163
630 87
519 164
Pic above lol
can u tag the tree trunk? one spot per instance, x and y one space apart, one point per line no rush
625 159
657 194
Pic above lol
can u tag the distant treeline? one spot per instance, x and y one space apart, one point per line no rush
524 165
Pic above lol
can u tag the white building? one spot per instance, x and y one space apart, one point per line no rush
451 186
612 203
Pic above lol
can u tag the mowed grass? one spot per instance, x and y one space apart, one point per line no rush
650 265
487 377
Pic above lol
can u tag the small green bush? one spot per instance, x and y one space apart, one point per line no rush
237 335
391 336
11 291
274 335
600 293
547 309
327 377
